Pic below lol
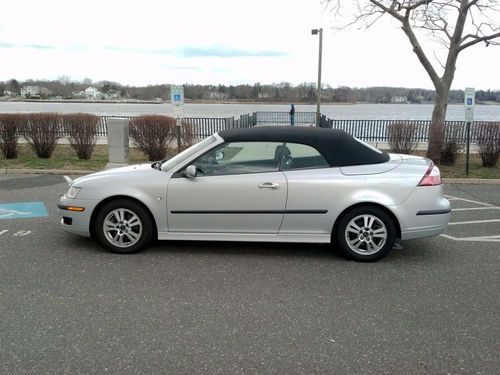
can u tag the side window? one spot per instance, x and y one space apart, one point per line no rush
240 157
298 156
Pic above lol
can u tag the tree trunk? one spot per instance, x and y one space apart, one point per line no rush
436 130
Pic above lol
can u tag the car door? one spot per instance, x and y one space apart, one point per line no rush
238 188
313 188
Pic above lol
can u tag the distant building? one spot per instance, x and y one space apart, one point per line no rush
216 95
399 100
7 93
34 92
93 93
113 94
29 91
263 95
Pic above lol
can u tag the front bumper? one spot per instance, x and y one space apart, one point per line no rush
73 221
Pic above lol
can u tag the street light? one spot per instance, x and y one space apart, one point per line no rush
318 89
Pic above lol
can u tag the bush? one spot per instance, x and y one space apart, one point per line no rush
81 129
401 136
488 140
10 125
454 143
187 134
152 134
42 131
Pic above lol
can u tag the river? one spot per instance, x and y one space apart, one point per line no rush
334 111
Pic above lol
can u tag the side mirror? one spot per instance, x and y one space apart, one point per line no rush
190 171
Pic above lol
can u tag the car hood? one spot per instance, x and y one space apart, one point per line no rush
122 174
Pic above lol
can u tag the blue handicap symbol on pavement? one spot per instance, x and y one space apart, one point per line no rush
22 210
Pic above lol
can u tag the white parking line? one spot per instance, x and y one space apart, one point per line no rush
68 179
473 239
486 206
475 208
473 222
467 200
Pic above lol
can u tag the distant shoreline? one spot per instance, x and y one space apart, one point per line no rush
200 101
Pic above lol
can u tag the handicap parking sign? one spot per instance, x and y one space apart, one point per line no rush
22 210
469 101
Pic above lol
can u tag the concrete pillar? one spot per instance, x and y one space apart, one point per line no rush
118 142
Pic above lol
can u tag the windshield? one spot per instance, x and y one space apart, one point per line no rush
187 153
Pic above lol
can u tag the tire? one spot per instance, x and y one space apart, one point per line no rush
365 234
123 226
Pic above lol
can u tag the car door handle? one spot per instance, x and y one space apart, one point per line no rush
269 185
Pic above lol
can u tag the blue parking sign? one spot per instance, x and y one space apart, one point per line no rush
469 101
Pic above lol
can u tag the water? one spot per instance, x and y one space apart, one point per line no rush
334 111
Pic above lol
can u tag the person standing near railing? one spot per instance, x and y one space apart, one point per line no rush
292 114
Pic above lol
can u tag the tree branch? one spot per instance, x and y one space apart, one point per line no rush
477 39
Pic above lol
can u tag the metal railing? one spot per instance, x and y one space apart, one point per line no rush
367 130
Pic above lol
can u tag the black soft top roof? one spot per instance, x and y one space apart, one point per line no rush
337 147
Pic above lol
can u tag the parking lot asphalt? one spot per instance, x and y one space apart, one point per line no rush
67 306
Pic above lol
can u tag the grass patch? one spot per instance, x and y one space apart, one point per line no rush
64 157
476 169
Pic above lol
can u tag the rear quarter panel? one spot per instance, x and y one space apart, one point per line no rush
330 189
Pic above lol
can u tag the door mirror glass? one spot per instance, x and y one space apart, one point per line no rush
190 171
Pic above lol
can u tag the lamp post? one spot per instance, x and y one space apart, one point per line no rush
318 89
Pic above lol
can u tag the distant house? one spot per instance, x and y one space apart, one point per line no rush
80 94
216 95
34 92
113 94
29 91
93 93
399 100
263 95
7 93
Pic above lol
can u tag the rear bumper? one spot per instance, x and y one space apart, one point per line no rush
425 213
434 225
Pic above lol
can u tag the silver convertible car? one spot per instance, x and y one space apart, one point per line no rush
266 184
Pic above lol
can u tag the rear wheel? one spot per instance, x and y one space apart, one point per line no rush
365 234
123 226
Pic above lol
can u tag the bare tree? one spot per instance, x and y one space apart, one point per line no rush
457 24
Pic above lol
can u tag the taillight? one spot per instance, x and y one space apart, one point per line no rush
432 177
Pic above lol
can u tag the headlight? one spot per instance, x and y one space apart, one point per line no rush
72 192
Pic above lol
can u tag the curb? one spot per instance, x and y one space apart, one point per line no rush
465 181
472 181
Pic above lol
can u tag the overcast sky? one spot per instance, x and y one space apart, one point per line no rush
211 42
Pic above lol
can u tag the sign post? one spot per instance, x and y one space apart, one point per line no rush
469 101
177 100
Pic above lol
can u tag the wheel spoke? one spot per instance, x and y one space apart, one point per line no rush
380 233
353 228
133 236
108 225
134 221
355 243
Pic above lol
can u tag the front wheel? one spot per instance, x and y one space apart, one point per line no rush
123 226
365 234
